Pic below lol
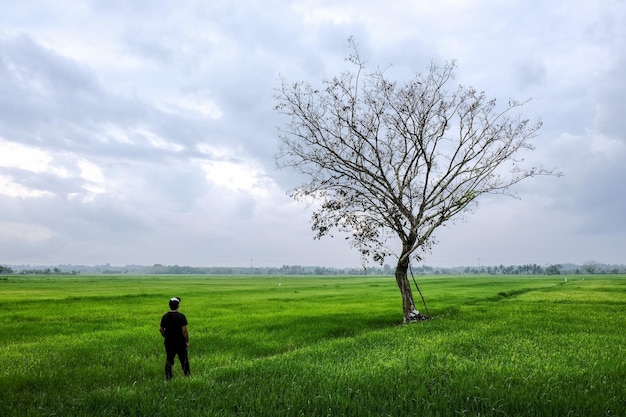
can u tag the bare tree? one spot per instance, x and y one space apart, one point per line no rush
390 162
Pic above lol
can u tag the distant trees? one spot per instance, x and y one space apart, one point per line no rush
36 271
590 267
385 270
5 270
526 269
553 270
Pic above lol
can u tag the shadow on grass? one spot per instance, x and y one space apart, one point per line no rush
287 333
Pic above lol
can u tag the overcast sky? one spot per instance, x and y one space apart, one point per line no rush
142 132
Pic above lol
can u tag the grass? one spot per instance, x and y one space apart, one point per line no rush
321 346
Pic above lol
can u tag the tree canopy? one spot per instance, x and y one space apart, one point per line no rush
392 161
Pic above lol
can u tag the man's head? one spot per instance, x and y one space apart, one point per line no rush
174 302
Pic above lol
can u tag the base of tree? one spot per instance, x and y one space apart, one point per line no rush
415 316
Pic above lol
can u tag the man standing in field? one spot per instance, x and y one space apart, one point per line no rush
174 330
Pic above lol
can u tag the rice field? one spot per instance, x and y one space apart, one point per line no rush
314 346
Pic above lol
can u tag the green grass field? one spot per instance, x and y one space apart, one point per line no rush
314 346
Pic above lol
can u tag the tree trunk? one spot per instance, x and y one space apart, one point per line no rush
408 305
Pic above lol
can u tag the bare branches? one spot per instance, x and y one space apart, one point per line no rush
397 160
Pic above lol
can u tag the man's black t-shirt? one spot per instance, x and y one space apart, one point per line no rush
173 323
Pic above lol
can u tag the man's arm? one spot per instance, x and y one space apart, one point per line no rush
162 330
186 335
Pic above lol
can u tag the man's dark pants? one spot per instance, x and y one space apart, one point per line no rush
171 352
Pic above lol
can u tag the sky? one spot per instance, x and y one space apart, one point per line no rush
143 132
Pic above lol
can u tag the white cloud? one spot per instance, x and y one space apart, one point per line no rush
202 107
236 176
144 132
29 158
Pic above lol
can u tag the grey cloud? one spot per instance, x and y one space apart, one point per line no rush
145 46
44 181
598 197
60 229
156 204
530 73
65 106
63 75
104 217
610 103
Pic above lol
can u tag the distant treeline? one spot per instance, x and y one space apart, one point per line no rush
7 270
590 267
283 270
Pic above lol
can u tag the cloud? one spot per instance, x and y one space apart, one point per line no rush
143 132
